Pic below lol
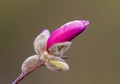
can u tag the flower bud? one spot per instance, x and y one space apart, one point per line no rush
67 32
40 41
58 49
29 63
57 64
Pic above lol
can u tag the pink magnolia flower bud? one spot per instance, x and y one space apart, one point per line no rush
67 32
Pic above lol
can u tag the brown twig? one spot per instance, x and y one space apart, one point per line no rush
24 74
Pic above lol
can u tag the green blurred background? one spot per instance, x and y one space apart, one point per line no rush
94 56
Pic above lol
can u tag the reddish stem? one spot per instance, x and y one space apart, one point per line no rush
24 74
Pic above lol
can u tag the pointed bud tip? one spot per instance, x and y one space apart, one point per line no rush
82 22
85 22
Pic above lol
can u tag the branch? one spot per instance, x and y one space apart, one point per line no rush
24 74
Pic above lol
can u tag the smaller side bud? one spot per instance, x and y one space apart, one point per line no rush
58 49
29 62
57 64
40 41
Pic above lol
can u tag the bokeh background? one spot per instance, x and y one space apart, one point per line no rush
94 56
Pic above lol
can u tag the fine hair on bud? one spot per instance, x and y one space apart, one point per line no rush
29 62
40 41
57 64
58 49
